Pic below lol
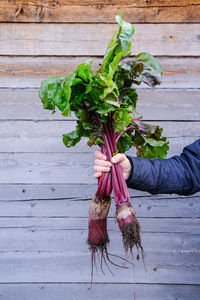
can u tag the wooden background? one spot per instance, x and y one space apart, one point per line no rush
45 188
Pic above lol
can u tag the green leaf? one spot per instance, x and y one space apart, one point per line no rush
105 108
144 68
151 69
119 47
153 152
153 142
122 117
128 96
71 139
124 143
88 120
56 91
84 72
95 139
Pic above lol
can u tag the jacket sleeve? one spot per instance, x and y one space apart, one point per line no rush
178 174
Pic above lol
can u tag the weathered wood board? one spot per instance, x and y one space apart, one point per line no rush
43 66
65 167
99 12
28 72
39 136
111 291
146 207
45 188
153 104
28 192
86 39
51 255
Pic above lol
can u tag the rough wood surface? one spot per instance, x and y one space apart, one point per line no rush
153 104
44 168
99 11
67 205
45 188
41 66
30 136
148 225
52 258
22 72
111 291
86 39
134 3
82 192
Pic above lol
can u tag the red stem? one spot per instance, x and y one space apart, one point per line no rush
115 179
120 134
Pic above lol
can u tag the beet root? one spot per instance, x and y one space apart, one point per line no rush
130 228
98 235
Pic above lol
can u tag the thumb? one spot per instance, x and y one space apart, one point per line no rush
118 158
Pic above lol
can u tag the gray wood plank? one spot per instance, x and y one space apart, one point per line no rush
159 206
67 258
80 39
170 80
26 192
99 291
29 71
31 136
43 168
153 104
54 191
11 225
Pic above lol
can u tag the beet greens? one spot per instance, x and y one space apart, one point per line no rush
104 103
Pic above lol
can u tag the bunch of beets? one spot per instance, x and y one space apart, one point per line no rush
104 103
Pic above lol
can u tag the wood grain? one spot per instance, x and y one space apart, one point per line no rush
92 39
28 72
41 66
109 291
82 192
138 3
45 168
46 137
153 104
148 225
99 13
53 259
67 205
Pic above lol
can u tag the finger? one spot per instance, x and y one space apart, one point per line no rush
97 174
118 158
100 155
104 163
101 169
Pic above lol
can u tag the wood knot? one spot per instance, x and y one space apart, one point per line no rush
18 11
99 7
39 11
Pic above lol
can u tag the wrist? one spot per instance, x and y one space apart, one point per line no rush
130 169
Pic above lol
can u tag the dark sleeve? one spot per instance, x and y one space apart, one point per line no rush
178 174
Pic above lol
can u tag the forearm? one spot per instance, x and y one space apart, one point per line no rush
179 174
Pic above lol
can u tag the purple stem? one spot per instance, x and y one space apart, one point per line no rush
116 179
120 134
103 186
109 185
116 188
120 175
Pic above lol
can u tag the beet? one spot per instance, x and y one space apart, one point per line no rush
130 228
98 235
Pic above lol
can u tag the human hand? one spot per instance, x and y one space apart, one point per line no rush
101 164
